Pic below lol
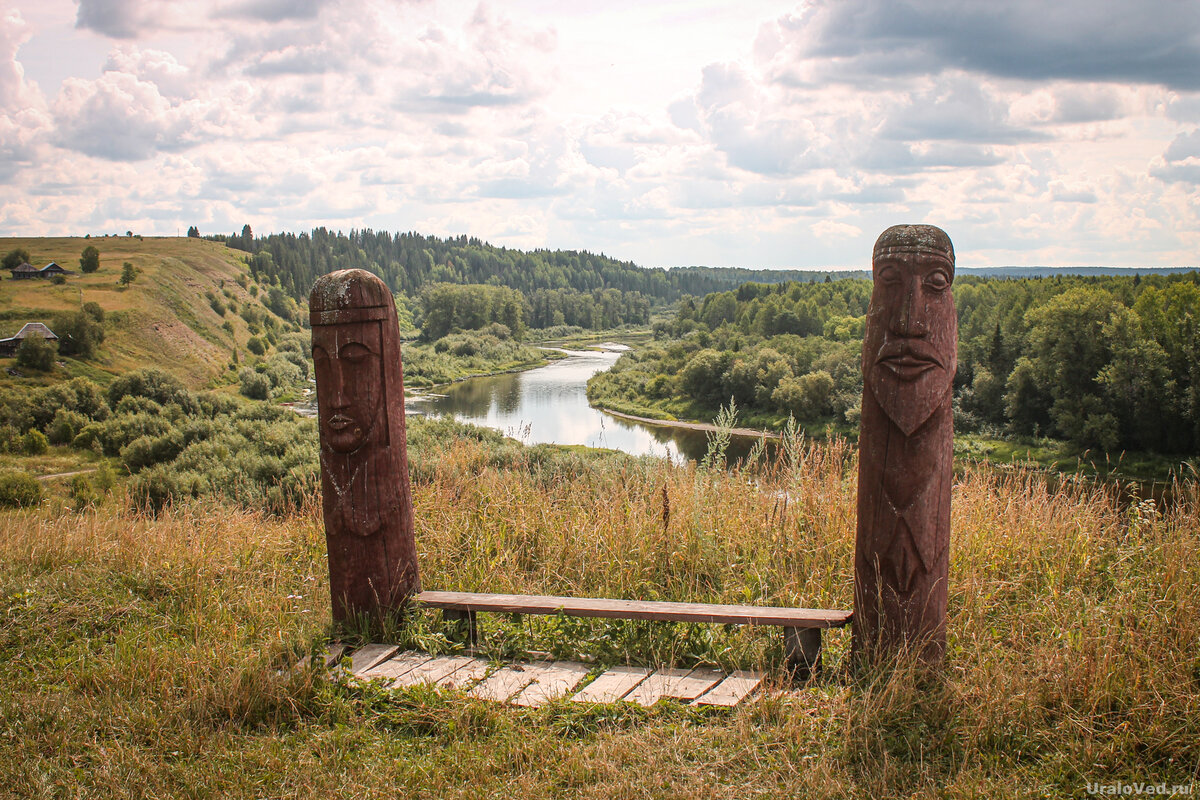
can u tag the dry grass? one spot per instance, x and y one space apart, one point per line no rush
138 655
162 319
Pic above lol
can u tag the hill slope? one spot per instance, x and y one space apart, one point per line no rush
163 319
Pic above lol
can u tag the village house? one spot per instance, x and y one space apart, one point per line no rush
28 270
8 347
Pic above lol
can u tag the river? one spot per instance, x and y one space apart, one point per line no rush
549 405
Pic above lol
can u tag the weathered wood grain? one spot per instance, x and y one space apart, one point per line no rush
367 500
906 447
634 609
551 683
502 684
465 676
369 655
735 688
433 670
677 684
612 685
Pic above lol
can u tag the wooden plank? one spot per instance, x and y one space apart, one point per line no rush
432 671
737 687
678 684
504 683
635 609
395 667
465 675
551 683
612 685
331 656
369 655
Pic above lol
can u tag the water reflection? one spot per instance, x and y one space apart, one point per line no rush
549 405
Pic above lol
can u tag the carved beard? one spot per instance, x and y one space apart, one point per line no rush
910 403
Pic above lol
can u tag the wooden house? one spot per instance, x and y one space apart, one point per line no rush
25 270
28 270
8 347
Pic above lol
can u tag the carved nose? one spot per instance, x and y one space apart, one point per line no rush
911 319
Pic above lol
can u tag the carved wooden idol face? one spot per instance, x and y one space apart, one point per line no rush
350 386
911 348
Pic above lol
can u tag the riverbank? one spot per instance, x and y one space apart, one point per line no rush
706 427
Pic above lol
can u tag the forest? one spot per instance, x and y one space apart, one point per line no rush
558 287
1111 363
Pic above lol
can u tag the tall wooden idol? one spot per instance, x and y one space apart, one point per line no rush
906 447
364 459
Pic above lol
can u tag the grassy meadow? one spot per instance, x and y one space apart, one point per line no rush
161 319
146 656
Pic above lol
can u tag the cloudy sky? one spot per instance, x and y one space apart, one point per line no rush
757 134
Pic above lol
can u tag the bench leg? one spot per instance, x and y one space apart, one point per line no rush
803 649
464 616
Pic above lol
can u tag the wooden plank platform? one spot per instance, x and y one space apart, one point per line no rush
433 670
504 683
465 676
612 685
677 684
734 689
395 667
634 609
369 655
533 684
552 682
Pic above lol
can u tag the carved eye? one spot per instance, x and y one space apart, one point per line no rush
938 281
355 352
319 354
890 275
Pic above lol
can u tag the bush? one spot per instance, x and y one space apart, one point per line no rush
79 334
66 426
255 345
34 443
155 384
19 489
254 385
34 352
83 494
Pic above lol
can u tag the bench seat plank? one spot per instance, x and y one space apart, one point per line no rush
634 609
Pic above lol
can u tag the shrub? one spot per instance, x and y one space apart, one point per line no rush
255 345
34 443
66 426
79 334
155 384
34 352
19 489
254 385
83 494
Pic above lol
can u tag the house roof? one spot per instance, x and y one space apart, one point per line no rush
26 267
35 328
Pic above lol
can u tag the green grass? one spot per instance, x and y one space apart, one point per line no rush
163 319
141 656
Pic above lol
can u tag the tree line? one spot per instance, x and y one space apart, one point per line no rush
1104 362
561 287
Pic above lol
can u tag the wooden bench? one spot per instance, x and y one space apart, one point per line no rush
801 626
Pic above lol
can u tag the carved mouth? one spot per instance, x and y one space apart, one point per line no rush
908 360
339 422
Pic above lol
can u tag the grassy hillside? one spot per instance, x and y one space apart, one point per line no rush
162 319
145 656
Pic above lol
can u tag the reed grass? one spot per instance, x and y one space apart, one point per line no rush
146 656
